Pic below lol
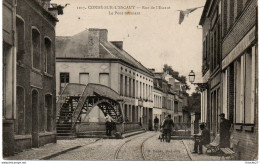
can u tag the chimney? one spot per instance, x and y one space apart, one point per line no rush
96 36
118 44
103 35
93 42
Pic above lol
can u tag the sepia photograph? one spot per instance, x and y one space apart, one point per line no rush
129 80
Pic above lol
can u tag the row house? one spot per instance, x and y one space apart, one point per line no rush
88 57
230 68
164 96
179 101
28 74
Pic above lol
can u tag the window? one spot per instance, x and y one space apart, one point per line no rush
121 85
249 87
104 79
245 87
20 118
130 87
239 91
147 91
64 79
36 49
35 109
134 88
48 112
141 90
20 39
137 87
144 96
126 86
84 78
47 46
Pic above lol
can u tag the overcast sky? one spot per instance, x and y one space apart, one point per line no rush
154 37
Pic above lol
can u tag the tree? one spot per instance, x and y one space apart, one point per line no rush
175 74
194 102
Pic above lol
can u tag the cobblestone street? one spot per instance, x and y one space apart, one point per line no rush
144 146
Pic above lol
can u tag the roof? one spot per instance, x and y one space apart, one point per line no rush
77 47
204 13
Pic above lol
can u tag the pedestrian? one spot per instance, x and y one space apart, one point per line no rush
156 123
126 119
108 123
168 125
203 139
224 131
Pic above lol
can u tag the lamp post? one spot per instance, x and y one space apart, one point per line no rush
202 86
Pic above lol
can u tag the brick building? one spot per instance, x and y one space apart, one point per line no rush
29 91
230 67
88 57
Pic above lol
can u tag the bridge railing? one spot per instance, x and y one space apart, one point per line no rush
80 105
182 129
70 89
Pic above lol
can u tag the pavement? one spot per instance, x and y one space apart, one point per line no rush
154 149
50 150
62 146
189 144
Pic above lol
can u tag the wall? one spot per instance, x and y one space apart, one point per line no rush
30 78
93 68
240 28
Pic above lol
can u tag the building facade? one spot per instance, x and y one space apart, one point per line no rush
9 76
29 107
88 57
230 51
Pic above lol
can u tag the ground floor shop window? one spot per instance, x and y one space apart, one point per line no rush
245 87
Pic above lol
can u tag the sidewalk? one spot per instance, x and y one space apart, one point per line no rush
189 144
50 150
62 146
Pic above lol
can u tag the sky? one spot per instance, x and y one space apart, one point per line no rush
154 37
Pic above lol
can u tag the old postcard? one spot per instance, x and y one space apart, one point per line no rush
131 80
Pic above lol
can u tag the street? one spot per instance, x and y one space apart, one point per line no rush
145 146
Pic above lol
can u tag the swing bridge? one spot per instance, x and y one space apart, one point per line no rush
77 100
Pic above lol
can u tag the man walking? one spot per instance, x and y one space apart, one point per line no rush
224 131
108 120
167 127
156 123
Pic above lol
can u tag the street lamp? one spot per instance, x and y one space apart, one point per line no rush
202 86
191 76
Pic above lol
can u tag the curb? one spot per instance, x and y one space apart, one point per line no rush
59 153
65 151
188 150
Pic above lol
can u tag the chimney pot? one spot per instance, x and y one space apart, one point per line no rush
118 44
